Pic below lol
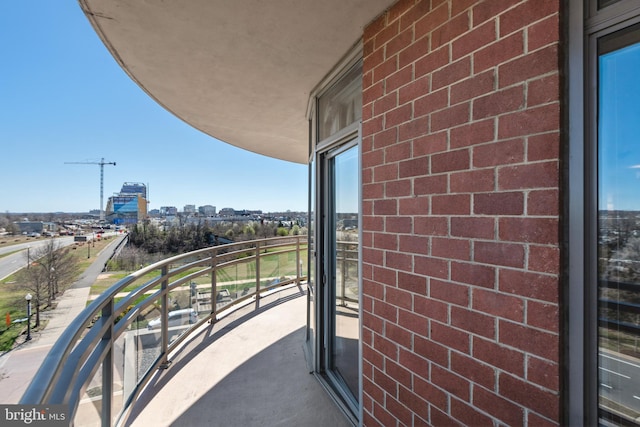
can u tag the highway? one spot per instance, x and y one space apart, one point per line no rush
64 241
619 378
9 264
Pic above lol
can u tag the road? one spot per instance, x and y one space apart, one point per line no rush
64 241
11 263
619 378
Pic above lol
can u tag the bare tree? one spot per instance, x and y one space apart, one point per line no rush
9 226
35 281
49 275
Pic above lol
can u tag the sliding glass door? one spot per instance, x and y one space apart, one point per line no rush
334 303
342 290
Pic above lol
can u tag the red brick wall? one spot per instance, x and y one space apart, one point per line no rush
461 119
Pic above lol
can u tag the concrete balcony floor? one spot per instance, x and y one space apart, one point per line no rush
247 370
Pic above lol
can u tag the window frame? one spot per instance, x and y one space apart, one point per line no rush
586 25
349 135
348 140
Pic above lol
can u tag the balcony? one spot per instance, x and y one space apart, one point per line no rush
212 337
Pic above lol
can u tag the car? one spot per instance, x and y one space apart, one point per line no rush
185 316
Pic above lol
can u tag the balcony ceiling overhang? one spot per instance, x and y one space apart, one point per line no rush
240 71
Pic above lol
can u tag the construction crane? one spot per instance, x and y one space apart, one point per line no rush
101 163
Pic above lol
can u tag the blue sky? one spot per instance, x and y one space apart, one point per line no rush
619 131
64 99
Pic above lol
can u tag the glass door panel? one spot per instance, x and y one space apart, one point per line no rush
344 284
619 227
311 335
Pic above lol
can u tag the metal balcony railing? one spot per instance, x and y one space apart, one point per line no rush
107 355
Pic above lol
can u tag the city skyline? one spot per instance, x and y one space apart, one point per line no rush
65 99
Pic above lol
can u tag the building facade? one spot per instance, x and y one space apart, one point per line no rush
168 210
189 209
134 188
39 227
207 210
472 199
461 175
129 206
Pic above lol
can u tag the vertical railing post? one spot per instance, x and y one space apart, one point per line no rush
214 285
298 261
107 368
344 273
257 270
164 316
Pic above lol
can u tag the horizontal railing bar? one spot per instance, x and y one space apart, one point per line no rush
624 286
186 267
143 289
619 326
239 261
189 278
120 327
278 252
77 358
625 307
232 305
122 305
87 371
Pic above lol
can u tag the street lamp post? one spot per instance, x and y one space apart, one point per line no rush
28 298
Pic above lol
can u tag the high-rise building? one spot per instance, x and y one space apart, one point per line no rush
168 210
134 188
129 206
207 210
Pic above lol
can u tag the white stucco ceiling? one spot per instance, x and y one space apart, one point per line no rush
238 70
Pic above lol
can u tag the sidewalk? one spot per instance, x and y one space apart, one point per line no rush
18 366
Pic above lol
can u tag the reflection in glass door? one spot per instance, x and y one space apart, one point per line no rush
619 227
342 262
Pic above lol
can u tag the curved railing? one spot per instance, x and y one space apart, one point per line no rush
106 356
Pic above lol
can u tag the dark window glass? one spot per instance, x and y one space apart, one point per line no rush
605 3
